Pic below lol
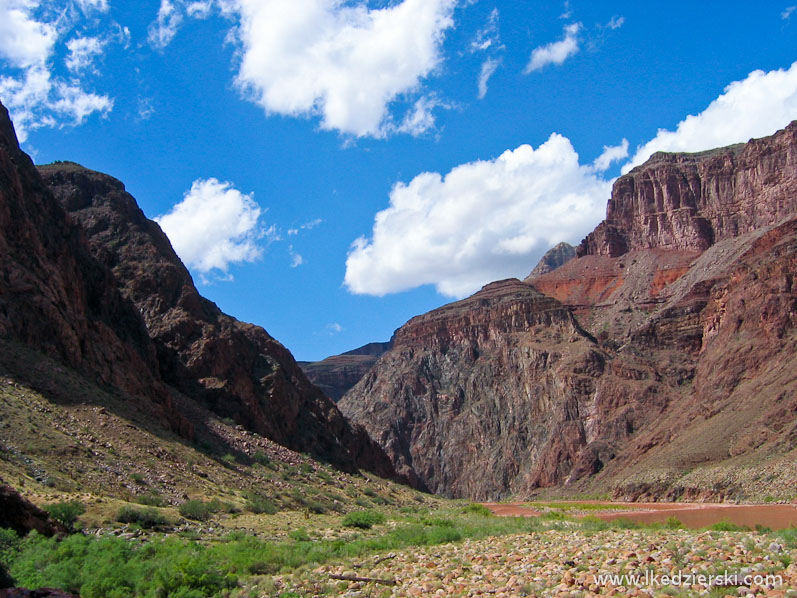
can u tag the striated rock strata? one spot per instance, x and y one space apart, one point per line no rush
659 364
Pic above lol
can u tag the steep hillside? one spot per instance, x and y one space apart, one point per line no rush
677 380
100 290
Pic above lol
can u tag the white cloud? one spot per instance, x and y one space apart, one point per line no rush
487 37
483 221
343 62
757 106
33 95
615 23
611 154
786 14
555 52
82 52
488 68
335 328
164 28
199 10
88 6
296 259
215 225
24 41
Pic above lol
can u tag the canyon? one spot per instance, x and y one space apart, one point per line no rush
658 364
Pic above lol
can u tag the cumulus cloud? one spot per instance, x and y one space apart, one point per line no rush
610 155
24 41
756 106
482 221
555 52
487 70
214 226
34 96
346 63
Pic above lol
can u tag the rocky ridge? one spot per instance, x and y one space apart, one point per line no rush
556 256
680 308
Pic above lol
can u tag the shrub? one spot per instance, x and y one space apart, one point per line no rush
200 510
146 518
66 512
477 509
261 458
437 522
300 535
261 505
673 523
726 526
151 500
363 519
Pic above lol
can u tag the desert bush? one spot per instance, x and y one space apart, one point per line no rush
146 518
363 519
66 513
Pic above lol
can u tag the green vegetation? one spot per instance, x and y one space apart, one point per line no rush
146 518
151 500
66 513
260 505
363 519
200 510
477 509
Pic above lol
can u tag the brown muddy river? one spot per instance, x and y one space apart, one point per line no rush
692 515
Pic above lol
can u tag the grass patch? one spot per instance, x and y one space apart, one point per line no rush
477 509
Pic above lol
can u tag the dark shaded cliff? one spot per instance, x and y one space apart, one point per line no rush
658 364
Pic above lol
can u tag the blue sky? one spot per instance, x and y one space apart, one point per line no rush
329 169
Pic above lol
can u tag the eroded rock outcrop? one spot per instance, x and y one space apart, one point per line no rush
659 364
556 256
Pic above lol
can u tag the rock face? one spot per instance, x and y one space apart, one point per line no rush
23 516
659 364
85 277
691 201
556 256
335 375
